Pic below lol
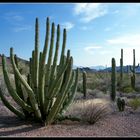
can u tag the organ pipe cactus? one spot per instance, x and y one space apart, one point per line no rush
84 84
50 87
113 80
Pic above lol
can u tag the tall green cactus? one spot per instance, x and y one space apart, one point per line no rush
84 84
121 66
113 80
133 70
50 87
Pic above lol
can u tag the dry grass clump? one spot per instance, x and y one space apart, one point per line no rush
89 111
94 112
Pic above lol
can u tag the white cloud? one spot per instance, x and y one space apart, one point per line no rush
85 28
67 25
13 16
105 52
22 28
128 55
91 49
90 11
126 40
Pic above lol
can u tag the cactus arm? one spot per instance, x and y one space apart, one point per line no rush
60 98
68 91
10 107
42 64
27 87
32 69
72 96
59 75
63 47
56 85
48 70
17 83
36 63
53 71
11 90
72 93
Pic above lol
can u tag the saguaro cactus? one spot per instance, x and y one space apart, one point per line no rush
113 80
133 70
50 87
84 84
121 66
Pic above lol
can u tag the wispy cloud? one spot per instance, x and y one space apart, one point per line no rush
105 52
17 21
67 25
13 17
90 11
91 49
126 40
85 28
22 28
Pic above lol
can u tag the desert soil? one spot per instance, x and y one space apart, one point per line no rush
126 124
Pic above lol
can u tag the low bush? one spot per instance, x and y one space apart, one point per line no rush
134 103
93 113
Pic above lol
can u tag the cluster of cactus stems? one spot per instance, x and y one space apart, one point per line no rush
133 70
50 87
121 66
121 104
84 84
113 80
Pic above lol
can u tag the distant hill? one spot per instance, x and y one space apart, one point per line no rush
23 64
100 68
104 69
9 61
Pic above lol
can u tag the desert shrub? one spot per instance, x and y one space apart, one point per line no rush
137 89
89 110
93 113
127 89
134 103
80 87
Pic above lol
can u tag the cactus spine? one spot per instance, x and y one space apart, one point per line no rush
50 87
113 80
84 84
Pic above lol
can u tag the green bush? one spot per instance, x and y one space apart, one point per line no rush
80 88
127 89
134 103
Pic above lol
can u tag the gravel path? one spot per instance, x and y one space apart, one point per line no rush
113 125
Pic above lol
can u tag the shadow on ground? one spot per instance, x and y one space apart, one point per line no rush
11 125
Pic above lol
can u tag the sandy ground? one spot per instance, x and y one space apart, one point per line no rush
126 124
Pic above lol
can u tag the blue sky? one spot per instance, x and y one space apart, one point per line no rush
96 32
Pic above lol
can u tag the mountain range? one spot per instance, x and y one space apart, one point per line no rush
88 69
